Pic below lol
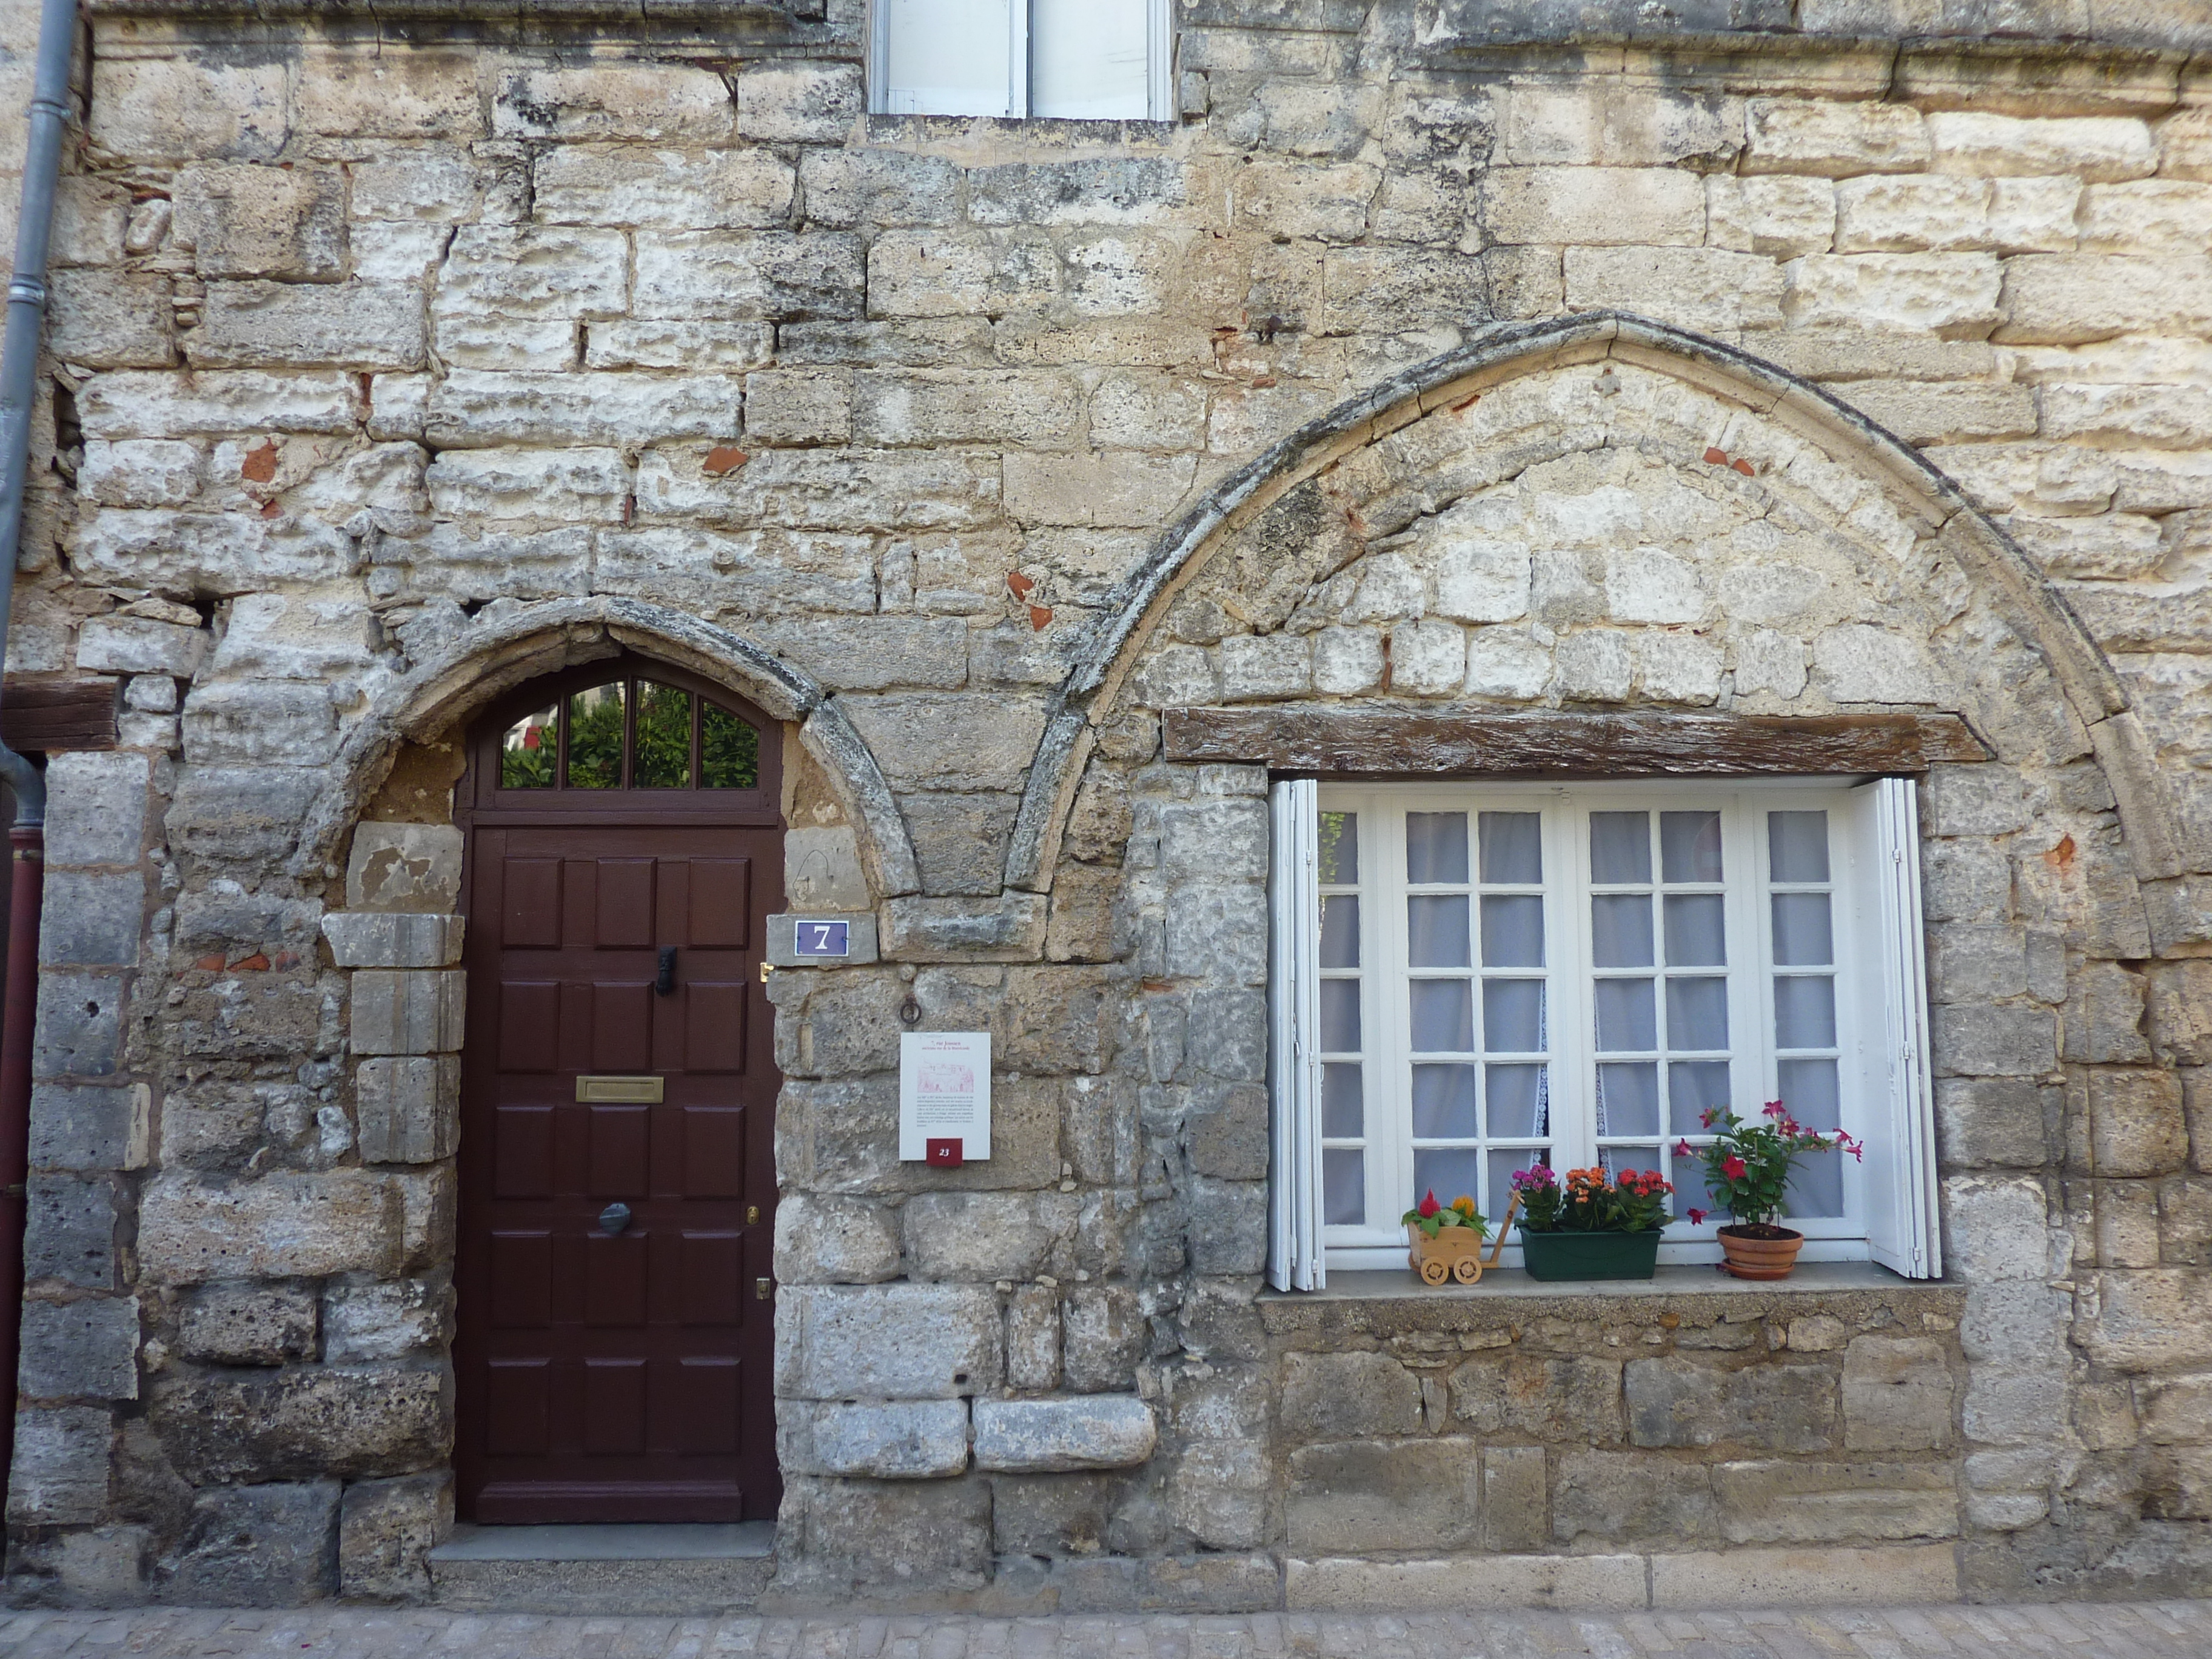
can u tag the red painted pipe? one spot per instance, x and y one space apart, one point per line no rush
27 895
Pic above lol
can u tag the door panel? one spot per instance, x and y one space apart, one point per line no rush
616 1377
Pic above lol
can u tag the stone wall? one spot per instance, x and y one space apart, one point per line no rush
388 371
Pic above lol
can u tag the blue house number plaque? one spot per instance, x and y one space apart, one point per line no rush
822 938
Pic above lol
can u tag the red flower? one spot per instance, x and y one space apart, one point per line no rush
1429 1205
1772 1109
1733 1168
1697 1218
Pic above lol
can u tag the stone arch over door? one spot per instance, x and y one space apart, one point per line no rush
1519 396
510 645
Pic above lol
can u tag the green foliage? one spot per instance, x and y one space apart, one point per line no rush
595 739
729 750
1592 1201
663 757
1748 1167
1432 1217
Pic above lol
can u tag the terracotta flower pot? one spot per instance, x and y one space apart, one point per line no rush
1753 1256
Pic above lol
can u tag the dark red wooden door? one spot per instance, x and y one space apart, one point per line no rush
616 1368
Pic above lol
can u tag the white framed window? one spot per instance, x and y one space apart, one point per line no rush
1477 977
1098 60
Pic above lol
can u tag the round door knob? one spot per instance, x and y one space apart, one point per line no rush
614 1219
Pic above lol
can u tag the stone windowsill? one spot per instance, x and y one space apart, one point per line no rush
1395 1298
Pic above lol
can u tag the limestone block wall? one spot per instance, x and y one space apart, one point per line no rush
367 352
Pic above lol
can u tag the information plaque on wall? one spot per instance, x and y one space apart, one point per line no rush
944 1097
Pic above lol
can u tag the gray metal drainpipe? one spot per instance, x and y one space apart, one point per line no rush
19 374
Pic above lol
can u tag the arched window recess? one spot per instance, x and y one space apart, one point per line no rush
626 734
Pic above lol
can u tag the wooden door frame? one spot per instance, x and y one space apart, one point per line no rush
478 804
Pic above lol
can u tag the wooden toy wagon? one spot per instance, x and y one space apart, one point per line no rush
1454 1252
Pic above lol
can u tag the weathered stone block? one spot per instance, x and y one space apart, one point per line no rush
361 939
1897 1394
1085 1432
1687 286
821 1239
1993 1122
979 1235
1550 1397
1516 1510
360 325
1881 1576
69 1231
79 1025
658 103
742 274
139 644
248 1325
798 102
1064 1515
280 1227
2136 1125
1387 1495
1593 206
2146 1321
660 189
852 1535
83 1350
60 1473
386 1529
951 741
1834 138
1104 1337
1033 1338
409 867
879 187
407 1011
260 1546
391 1319
908 1440
1680 1402
1810 1503
2095 148
588 485
75 1126
1623 1498
1338 1396
301 1422
246 221
895 1341
96 808
408 1109
1980 1040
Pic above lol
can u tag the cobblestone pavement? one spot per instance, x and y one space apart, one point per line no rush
2088 1630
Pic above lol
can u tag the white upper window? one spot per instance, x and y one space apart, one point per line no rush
1501 974
1076 59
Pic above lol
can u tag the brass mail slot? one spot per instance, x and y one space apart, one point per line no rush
634 1090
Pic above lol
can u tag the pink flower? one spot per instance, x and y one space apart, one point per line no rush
1682 1149
1429 1205
1734 1168
1697 1218
1772 1109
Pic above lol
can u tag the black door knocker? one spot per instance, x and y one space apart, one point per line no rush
665 983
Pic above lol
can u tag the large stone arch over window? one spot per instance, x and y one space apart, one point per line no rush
513 645
1524 394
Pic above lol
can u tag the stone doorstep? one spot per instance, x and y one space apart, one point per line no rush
680 1571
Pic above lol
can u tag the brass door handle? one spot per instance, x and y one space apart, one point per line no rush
764 1290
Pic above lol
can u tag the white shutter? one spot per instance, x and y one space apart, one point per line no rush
952 56
1900 1155
1091 60
1295 1259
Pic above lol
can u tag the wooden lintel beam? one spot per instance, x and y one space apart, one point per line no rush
1402 741
54 716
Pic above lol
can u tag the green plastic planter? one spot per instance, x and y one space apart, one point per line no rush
1590 1255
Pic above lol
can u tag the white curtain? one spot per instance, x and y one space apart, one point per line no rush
1295 1259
